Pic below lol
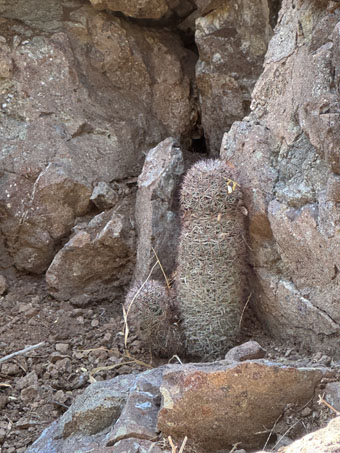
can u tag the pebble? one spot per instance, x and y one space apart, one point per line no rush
29 394
62 347
95 323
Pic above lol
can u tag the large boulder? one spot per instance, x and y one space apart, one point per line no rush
73 113
232 39
287 160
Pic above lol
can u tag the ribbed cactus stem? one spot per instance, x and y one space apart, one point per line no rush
211 261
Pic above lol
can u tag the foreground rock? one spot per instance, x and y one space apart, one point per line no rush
326 440
214 404
287 159
156 222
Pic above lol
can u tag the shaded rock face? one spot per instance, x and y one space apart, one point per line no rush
232 39
286 155
81 96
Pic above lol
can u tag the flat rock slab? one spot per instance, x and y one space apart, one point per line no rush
220 404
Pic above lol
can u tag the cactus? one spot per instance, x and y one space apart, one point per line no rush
152 312
211 261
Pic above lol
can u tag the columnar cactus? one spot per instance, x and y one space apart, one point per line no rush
211 261
152 311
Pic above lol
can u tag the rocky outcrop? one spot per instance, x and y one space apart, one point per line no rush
232 39
127 412
157 222
286 155
81 100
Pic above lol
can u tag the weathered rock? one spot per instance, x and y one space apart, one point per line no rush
3 285
232 39
285 154
139 417
246 351
326 440
90 423
103 196
98 259
146 9
73 113
156 222
218 405
332 394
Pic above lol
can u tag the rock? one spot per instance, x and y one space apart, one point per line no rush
31 379
146 9
236 32
219 405
326 440
29 394
98 259
286 159
136 446
3 285
63 348
139 417
3 404
73 114
10 369
103 196
332 394
246 351
156 222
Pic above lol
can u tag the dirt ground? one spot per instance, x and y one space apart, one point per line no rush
36 388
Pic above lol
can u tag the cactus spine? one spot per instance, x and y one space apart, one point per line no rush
211 259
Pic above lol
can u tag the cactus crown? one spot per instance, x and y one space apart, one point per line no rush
208 188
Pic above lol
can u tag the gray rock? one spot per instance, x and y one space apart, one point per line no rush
332 394
3 285
98 259
226 32
287 162
103 196
156 222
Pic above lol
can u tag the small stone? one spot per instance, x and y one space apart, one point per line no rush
80 319
95 323
306 412
2 435
246 351
103 196
10 369
29 394
60 396
3 401
82 300
3 285
62 347
22 308
28 380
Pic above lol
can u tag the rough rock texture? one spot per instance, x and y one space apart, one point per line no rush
156 222
332 394
219 404
232 39
326 440
104 417
286 156
213 404
73 113
146 9
246 351
98 260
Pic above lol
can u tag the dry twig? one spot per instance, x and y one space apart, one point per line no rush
244 309
321 400
22 351
173 446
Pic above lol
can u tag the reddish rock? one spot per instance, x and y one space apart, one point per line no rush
218 405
